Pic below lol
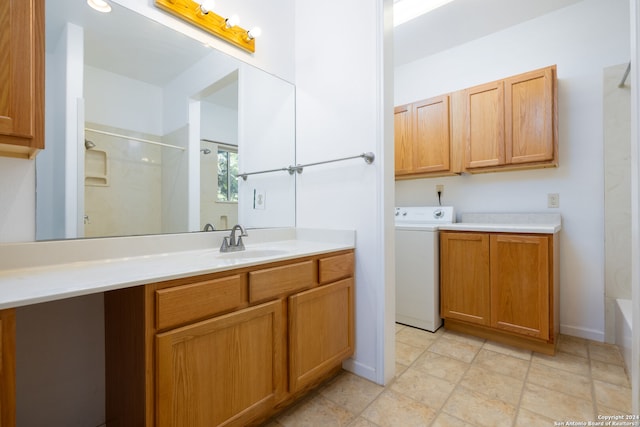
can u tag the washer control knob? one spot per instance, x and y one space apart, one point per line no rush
438 213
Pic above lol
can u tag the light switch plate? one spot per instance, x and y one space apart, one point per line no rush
553 200
259 199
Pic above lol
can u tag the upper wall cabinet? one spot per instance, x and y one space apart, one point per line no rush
512 123
424 139
21 77
506 124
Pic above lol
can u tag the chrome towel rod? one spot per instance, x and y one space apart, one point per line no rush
368 157
626 74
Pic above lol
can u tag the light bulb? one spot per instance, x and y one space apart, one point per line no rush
232 21
207 6
254 33
99 5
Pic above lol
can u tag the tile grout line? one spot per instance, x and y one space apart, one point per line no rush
524 385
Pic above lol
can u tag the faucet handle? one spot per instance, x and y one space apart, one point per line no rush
225 244
240 244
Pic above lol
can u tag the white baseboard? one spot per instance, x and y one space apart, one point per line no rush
589 334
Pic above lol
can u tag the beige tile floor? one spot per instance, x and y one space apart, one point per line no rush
449 379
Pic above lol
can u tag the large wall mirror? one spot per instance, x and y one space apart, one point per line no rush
147 128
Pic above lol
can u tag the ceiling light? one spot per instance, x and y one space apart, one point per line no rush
406 10
99 5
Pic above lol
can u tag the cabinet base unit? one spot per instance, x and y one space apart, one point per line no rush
230 348
501 286
514 340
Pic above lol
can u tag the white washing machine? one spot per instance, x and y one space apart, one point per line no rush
418 264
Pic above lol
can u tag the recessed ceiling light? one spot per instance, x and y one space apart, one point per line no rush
406 10
100 5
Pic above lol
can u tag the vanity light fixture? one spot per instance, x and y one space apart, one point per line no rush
200 14
100 5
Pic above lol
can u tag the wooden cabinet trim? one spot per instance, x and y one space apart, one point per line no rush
22 68
336 267
520 278
485 125
8 368
187 303
317 344
432 135
247 353
464 291
274 282
530 117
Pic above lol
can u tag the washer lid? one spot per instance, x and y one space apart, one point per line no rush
424 215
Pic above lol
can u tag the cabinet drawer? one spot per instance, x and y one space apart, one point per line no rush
336 267
182 304
280 281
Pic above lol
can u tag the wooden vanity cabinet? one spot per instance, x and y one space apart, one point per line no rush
501 286
423 139
21 77
7 368
512 123
230 348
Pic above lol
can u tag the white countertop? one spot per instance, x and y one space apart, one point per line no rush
71 275
507 223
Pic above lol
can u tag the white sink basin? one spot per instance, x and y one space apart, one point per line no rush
252 253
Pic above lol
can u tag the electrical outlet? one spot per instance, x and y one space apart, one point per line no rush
439 188
553 200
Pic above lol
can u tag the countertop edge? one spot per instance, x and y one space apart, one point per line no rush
503 228
27 286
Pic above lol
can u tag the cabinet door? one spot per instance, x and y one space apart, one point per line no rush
520 284
485 122
7 368
431 135
320 331
21 77
223 371
529 117
403 139
464 277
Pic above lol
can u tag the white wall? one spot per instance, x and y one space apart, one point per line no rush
115 100
582 40
342 111
274 49
266 140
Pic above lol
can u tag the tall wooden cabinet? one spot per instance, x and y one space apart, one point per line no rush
501 286
229 348
21 77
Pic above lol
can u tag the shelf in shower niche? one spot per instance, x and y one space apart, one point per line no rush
96 168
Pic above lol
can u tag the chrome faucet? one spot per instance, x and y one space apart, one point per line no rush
230 244
208 227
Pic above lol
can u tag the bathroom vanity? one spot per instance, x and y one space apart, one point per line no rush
194 336
227 348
